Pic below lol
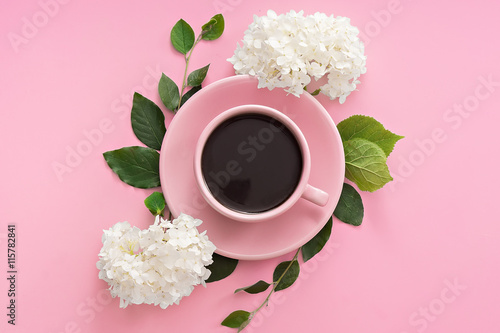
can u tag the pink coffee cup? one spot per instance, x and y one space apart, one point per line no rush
302 190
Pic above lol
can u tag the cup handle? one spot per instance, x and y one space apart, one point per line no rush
315 195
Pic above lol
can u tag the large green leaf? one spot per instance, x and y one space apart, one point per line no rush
366 164
316 244
136 166
255 288
214 28
196 77
182 36
169 92
288 271
221 268
148 122
364 127
350 206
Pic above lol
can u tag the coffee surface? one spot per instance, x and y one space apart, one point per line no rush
251 163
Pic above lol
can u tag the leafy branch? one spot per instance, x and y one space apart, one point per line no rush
139 166
183 40
285 274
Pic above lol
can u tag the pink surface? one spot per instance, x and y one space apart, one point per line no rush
426 258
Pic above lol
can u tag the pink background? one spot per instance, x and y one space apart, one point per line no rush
426 258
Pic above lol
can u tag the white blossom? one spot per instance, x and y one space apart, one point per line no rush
287 50
159 265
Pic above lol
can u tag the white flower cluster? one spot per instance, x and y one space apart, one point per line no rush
159 265
285 51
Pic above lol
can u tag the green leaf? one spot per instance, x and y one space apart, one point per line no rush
236 319
155 203
255 288
316 244
289 270
196 77
366 164
190 93
350 206
136 166
221 268
316 92
182 36
214 28
148 122
364 127
169 92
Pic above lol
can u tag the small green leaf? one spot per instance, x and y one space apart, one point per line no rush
316 92
169 92
214 28
148 122
190 93
155 203
236 319
364 127
366 164
255 288
350 206
221 268
289 270
136 166
196 77
182 36
316 244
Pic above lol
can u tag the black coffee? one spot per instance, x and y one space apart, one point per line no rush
251 163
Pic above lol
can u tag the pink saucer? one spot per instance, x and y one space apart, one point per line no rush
268 239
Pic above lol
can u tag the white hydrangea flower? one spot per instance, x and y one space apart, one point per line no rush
287 50
159 265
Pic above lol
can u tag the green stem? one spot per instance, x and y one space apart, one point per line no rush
184 80
275 284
